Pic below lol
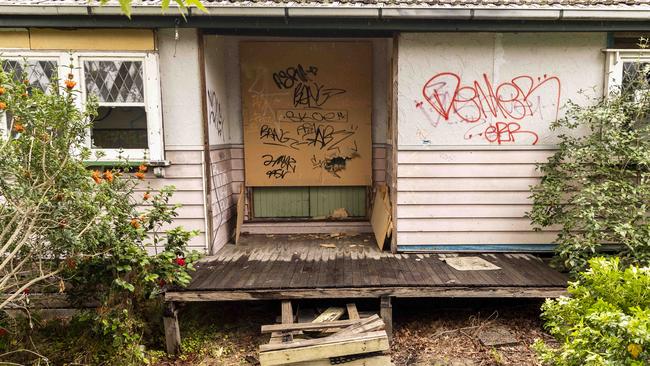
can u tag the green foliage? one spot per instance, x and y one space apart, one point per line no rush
596 188
606 321
183 5
49 200
100 236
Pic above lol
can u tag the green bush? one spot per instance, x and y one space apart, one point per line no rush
596 188
98 235
605 321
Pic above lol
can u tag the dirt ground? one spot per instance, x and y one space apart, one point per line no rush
427 332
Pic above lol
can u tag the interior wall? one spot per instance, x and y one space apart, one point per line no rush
223 137
474 111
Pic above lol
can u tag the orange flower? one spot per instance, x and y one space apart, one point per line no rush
70 84
135 223
142 168
18 128
139 175
146 196
2 90
3 106
108 175
97 176
24 95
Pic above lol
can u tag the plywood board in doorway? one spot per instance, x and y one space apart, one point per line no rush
307 113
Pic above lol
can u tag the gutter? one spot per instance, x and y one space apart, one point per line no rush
324 21
387 13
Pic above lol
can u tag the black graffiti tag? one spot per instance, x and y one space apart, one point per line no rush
215 112
278 137
287 78
306 115
324 136
279 166
313 95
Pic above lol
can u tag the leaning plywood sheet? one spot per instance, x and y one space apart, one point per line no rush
306 110
380 218
240 213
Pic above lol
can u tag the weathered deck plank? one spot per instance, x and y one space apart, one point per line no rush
285 266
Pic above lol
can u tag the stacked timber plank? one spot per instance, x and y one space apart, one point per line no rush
351 342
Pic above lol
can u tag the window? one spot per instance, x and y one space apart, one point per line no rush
39 73
126 85
624 66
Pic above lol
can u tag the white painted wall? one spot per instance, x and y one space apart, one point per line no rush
510 79
180 79
183 128
457 190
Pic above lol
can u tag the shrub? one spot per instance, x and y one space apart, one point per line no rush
606 321
96 234
595 189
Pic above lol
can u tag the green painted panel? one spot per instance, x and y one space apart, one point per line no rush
284 202
281 201
324 200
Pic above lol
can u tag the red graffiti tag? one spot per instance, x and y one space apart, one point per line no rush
480 99
501 132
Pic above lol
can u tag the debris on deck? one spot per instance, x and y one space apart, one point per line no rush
339 213
326 340
469 263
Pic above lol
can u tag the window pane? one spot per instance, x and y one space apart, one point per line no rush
632 72
38 73
120 128
115 81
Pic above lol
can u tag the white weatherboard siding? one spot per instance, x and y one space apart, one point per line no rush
473 120
183 130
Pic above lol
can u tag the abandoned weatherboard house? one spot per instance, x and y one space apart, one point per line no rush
371 149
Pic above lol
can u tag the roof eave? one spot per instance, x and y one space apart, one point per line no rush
633 13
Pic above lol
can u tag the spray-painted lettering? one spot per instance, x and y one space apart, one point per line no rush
499 108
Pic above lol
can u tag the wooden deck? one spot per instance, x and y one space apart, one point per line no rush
265 267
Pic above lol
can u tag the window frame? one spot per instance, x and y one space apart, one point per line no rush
614 66
154 153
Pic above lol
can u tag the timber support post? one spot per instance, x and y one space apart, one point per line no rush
386 313
172 329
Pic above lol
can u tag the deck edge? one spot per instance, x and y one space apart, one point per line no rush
366 292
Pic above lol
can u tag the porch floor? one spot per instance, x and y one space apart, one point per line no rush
325 266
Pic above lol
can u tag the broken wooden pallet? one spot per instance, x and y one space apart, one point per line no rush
354 341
